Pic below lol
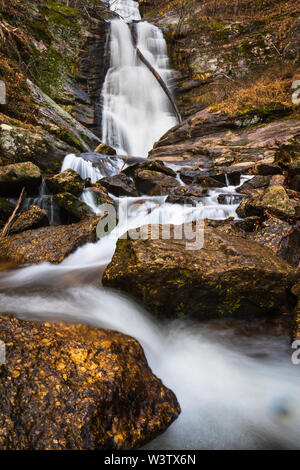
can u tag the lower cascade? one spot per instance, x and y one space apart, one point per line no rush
234 393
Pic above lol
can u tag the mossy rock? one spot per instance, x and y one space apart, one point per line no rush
227 276
68 181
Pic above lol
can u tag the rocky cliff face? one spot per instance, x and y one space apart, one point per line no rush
53 64
239 57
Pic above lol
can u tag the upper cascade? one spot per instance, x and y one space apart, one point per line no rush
136 110
127 9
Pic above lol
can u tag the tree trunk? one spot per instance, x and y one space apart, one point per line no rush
161 82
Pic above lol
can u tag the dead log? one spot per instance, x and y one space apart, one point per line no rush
161 82
10 221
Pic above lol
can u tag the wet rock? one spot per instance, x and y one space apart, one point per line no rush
295 183
288 156
101 195
33 218
18 144
217 179
78 387
230 198
186 195
223 141
105 150
256 182
273 201
229 276
16 176
154 183
68 181
6 210
119 185
72 208
51 244
155 165
280 237
266 169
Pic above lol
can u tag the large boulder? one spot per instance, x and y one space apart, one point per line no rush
68 181
257 182
154 183
229 276
273 201
101 195
280 236
51 244
77 387
33 218
288 156
155 165
119 185
16 176
72 208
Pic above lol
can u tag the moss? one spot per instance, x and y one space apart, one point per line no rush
61 14
40 30
50 71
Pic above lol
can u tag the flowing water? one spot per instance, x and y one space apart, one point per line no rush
235 392
136 111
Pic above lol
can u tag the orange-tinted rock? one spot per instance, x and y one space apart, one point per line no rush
77 387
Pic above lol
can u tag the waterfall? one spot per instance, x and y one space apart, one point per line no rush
92 166
234 393
136 111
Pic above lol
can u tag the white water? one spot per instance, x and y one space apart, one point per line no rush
136 111
233 393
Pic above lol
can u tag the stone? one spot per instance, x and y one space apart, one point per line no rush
119 185
72 208
266 169
52 244
154 183
68 181
155 165
6 210
274 201
75 387
16 176
105 149
229 276
295 183
187 195
33 218
101 195
280 237
256 182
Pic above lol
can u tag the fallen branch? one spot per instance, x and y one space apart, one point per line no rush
10 221
161 82
127 158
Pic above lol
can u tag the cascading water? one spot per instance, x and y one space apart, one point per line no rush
233 393
136 111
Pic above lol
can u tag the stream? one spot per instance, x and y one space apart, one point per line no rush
236 392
